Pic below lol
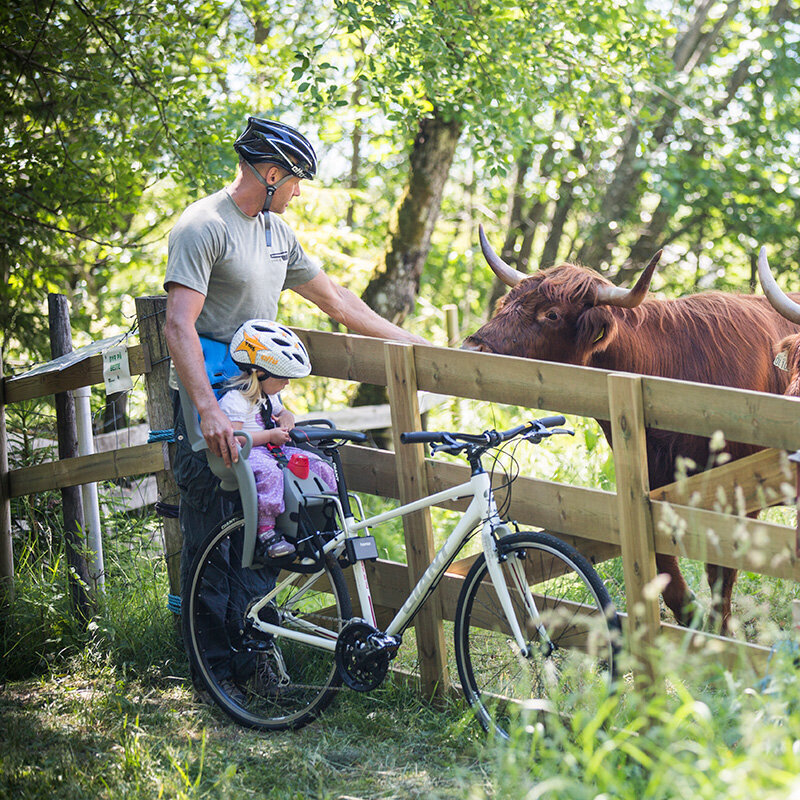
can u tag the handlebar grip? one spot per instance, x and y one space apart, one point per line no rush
552 422
300 435
415 437
312 423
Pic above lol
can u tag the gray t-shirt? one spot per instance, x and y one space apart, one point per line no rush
218 250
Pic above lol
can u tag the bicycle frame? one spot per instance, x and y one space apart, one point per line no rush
482 509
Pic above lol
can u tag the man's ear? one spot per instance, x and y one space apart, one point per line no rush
273 174
596 329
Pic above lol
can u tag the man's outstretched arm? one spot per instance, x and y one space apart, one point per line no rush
352 312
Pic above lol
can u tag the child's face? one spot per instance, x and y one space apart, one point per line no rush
274 385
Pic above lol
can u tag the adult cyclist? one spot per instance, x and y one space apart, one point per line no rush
230 256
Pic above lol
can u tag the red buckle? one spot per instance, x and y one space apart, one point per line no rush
298 464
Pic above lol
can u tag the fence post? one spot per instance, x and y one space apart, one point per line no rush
6 543
71 503
401 380
151 313
635 518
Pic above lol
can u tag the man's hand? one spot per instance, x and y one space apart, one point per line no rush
217 430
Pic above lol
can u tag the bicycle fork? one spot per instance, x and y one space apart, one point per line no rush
494 564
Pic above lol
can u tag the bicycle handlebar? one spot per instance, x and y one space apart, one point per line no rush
490 437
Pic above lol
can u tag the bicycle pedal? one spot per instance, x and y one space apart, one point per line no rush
257 645
383 642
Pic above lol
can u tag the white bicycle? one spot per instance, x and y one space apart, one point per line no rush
532 615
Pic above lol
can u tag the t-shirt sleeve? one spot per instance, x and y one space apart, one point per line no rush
236 407
193 248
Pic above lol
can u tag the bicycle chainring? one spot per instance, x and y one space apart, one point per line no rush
363 654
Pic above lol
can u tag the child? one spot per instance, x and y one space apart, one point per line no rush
268 355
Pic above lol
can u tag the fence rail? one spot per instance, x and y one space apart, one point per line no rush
688 518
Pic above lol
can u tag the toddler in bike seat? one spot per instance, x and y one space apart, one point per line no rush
269 355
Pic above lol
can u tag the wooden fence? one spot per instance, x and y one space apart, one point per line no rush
686 519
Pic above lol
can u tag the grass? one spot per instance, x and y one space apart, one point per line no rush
94 731
92 727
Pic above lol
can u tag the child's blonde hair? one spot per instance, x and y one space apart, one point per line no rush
248 384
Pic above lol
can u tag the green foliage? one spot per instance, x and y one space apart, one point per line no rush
99 103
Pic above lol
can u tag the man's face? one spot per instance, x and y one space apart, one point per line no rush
285 192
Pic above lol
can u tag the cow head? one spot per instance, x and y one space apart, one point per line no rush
559 314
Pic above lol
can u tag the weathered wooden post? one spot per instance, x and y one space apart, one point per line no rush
412 481
71 502
635 519
6 544
151 312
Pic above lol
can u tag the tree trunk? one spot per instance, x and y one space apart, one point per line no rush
560 213
508 253
355 156
522 225
393 291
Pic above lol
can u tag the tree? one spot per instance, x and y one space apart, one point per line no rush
702 151
98 104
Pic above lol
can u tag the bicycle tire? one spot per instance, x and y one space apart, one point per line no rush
500 684
234 664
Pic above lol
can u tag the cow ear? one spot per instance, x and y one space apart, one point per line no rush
597 328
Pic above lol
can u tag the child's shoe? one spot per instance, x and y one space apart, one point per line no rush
272 544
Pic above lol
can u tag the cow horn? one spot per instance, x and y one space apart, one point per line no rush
507 274
629 298
784 305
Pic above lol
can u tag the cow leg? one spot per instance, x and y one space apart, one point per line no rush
721 581
678 597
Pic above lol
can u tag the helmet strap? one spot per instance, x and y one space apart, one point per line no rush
270 187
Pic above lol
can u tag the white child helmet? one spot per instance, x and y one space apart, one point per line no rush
267 346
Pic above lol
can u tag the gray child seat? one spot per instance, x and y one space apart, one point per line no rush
304 496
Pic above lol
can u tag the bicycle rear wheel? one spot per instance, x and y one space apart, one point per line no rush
571 627
264 682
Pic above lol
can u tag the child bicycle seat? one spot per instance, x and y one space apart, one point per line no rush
306 512
239 476
309 513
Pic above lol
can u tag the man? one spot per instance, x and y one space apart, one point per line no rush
230 256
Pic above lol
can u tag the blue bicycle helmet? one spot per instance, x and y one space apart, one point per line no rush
266 141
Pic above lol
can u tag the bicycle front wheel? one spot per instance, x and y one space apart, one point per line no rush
261 681
569 624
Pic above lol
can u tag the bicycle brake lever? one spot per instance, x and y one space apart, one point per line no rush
448 445
537 435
